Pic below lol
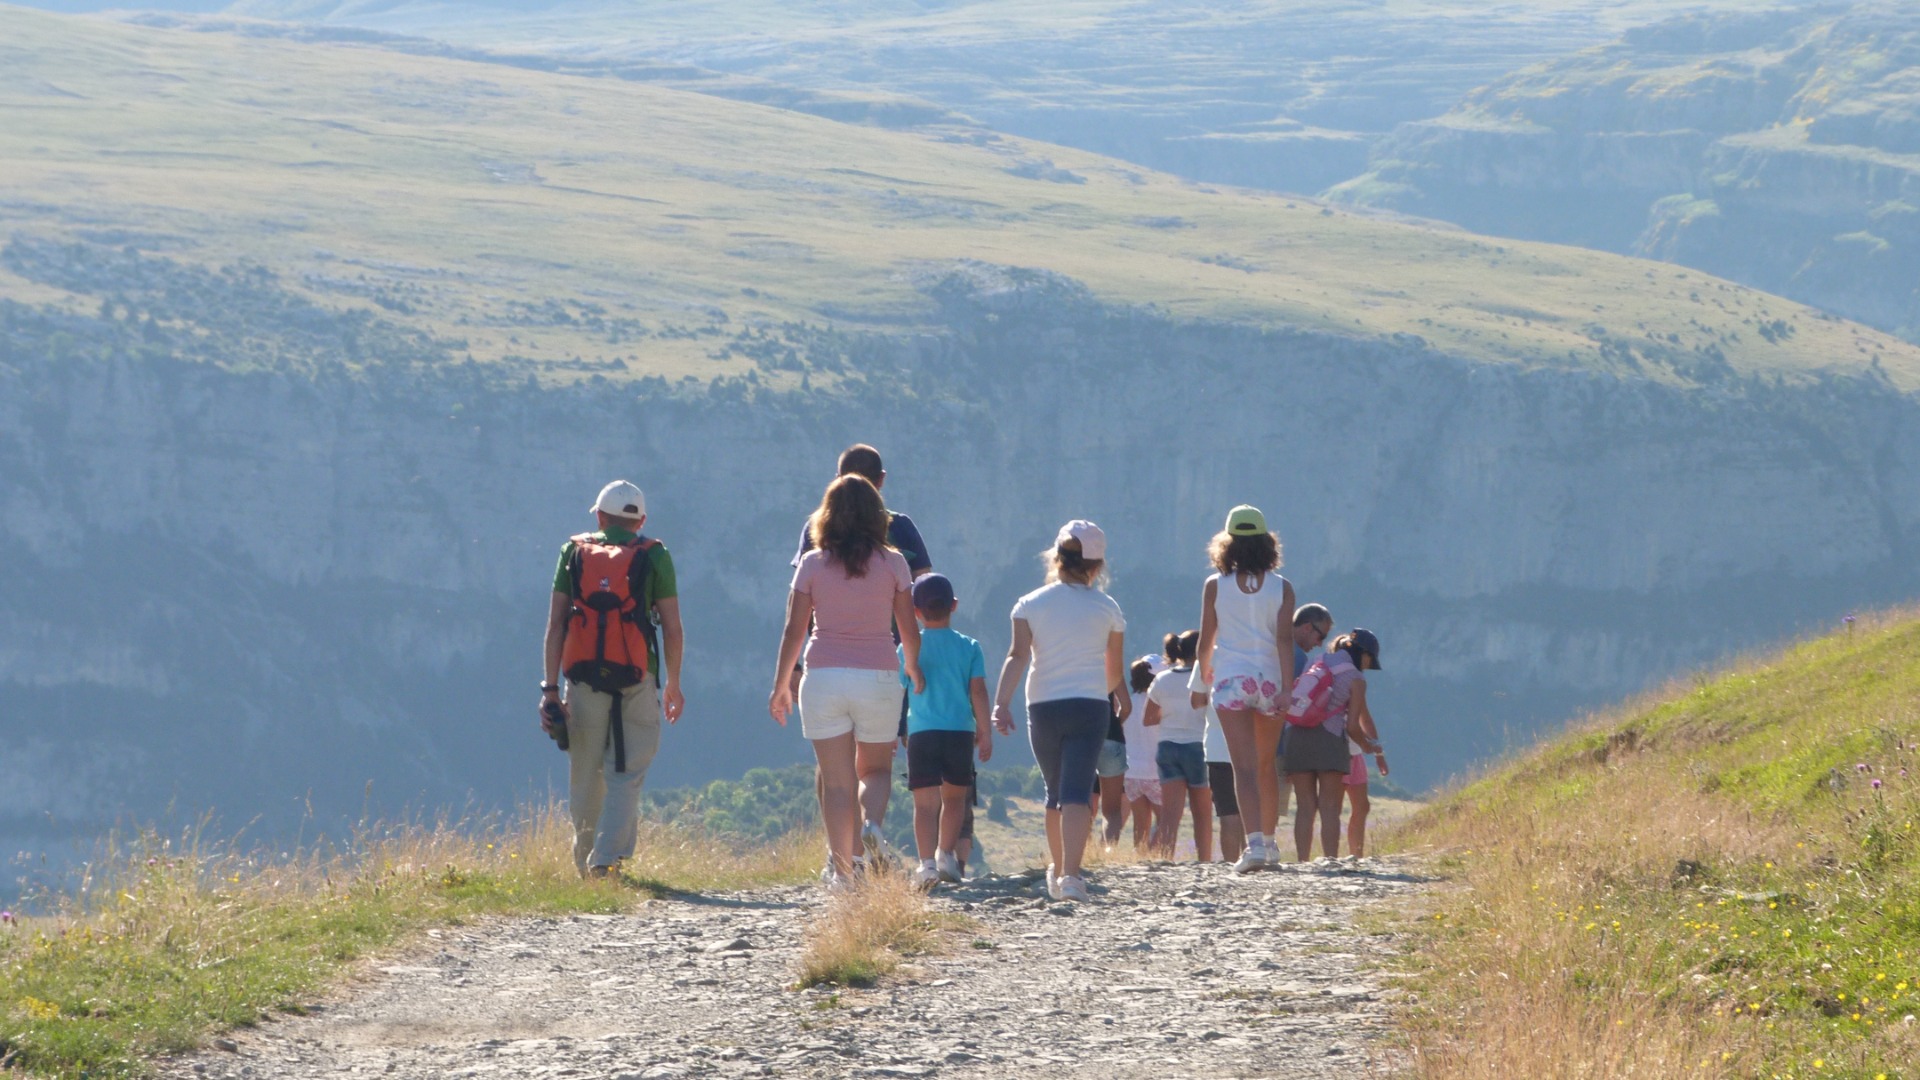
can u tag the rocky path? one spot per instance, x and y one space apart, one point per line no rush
1171 971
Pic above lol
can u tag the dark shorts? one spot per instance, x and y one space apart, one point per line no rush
1184 761
1224 802
1066 736
939 757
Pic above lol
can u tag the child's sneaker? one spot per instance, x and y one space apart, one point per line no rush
1073 888
926 877
947 866
1252 857
1053 883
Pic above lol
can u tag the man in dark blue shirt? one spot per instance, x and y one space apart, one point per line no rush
876 774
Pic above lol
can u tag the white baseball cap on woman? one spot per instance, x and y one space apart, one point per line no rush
1093 542
622 499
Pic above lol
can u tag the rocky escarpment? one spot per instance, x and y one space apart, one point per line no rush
261 589
1778 149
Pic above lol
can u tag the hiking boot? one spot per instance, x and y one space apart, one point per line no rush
1073 888
947 865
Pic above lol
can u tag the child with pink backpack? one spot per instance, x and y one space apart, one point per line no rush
1328 704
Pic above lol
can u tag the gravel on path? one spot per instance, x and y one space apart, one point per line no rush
1173 970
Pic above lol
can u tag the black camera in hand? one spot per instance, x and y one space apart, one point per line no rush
556 718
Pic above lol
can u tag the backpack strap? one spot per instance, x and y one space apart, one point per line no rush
639 571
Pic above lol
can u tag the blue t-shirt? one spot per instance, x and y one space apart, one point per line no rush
1299 661
949 661
902 533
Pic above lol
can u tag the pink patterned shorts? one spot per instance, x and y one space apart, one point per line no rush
1136 790
1256 692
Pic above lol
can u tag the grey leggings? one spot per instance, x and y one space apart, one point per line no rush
1066 737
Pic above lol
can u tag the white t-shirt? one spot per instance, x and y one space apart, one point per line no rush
1070 625
1216 742
1179 720
1246 639
1142 743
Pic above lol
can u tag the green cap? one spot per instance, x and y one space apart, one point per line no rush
1244 520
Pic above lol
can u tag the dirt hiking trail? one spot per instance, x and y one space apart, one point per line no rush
1173 970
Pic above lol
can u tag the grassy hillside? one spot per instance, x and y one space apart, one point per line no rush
521 213
1723 880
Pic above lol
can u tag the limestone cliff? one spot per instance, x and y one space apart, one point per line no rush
258 591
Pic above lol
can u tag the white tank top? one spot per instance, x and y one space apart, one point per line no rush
1245 642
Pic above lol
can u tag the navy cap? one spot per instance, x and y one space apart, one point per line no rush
933 592
1367 643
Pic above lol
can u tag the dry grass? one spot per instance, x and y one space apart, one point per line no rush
1706 883
867 929
167 941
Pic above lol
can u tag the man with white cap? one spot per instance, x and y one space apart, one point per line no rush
613 628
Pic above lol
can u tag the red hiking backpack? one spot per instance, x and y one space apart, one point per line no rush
610 631
1310 705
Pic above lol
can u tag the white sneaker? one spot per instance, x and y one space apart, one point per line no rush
879 853
926 877
947 865
1053 883
1073 888
1251 859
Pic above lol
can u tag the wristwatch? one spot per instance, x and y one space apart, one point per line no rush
549 688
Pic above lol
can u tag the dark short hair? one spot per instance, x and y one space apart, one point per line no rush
862 460
1312 615
1139 676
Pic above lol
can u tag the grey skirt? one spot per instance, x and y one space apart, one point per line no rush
1314 749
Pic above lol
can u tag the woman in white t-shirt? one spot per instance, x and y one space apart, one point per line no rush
1179 730
1245 664
1073 636
1142 780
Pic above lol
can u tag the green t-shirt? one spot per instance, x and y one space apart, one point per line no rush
661 583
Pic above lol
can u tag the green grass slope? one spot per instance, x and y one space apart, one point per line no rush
533 214
1720 881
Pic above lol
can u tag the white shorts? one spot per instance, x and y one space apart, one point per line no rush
834 701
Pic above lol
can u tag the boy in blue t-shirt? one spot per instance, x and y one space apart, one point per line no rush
945 725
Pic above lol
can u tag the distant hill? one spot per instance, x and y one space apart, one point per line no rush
1777 148
1277 94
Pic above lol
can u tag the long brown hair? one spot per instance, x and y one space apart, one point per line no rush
851 523
1256 554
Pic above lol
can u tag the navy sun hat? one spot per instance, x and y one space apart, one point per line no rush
933 591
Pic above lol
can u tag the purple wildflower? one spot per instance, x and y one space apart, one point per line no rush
6 917
1862 767
1876 785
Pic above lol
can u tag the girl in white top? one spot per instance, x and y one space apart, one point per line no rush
1074 636
1245 664
1142 783
1181 756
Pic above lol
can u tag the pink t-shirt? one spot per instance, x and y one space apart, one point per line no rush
852 616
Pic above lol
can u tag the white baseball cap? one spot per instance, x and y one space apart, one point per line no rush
621 499
1093 542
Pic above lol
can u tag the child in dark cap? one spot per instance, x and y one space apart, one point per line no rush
946 724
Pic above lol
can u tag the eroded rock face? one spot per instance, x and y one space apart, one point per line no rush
259 592
1774 148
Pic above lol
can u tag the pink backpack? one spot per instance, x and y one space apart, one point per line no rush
1313 690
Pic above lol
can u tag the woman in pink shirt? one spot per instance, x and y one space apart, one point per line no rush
853 589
